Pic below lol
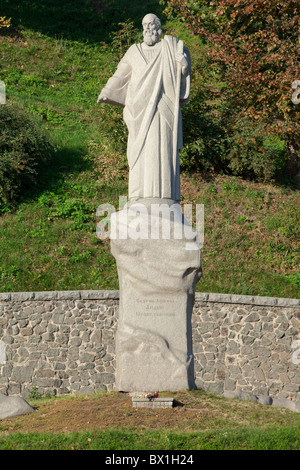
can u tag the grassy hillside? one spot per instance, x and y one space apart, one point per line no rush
54 60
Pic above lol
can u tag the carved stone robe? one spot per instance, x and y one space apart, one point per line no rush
145 84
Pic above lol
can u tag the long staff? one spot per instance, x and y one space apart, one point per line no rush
176 110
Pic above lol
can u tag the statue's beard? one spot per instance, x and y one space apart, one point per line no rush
150 38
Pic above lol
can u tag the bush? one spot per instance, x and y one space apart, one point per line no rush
204 130
24 150
203 133
253 152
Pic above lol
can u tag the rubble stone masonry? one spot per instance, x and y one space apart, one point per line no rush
64 343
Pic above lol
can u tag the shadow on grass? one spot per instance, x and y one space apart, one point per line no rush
64 162
79 20
177 403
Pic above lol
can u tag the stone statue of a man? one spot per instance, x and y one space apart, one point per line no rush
152 82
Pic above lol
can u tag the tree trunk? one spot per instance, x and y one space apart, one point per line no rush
292 167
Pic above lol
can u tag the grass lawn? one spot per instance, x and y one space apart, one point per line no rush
107 421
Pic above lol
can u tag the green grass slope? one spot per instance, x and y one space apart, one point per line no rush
54 61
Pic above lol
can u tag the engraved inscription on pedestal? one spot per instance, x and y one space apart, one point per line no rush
155 307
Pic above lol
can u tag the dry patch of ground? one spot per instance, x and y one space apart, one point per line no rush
193 411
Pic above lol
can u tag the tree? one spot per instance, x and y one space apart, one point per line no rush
256 44
25 150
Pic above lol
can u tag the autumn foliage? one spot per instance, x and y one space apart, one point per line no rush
4 22
256 46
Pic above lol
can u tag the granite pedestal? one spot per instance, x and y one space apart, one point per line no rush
158 269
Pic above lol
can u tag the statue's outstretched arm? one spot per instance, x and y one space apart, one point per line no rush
115 90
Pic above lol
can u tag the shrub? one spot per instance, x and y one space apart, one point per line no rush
253 152
24 150
203 133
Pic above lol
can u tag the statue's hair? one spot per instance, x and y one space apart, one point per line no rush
157 22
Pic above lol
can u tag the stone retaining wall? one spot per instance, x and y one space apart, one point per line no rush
248 344
64 343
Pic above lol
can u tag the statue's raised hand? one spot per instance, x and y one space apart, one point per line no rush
181 59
